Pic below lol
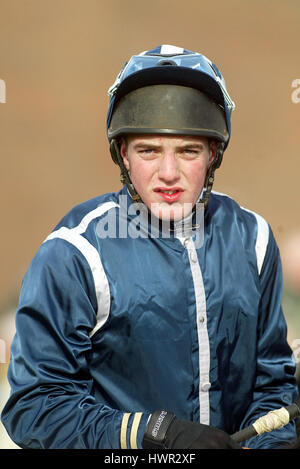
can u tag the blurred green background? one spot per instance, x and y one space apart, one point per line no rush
59 57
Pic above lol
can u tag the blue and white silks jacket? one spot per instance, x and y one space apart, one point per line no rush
111 328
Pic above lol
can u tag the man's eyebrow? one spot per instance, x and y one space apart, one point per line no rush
153 145
146 144
192 145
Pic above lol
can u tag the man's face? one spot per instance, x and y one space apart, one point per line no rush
168 172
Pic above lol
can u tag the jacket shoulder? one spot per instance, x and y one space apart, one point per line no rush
253 228
75 216
233 209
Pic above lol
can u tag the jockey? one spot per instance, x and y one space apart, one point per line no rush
151 317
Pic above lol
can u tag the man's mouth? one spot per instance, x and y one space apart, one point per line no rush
169 195
168 192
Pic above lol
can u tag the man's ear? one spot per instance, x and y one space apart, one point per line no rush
124 153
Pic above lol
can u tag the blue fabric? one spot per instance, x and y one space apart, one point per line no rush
69 390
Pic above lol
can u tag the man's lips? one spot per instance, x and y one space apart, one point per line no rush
169 194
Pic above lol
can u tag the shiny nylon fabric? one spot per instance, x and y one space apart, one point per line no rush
71 382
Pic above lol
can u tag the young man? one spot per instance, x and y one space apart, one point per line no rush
151 318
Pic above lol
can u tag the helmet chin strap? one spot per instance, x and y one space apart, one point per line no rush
210 175
125 178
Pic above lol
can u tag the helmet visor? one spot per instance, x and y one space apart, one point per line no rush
168 109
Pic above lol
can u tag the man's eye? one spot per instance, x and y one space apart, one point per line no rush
191 150
146 152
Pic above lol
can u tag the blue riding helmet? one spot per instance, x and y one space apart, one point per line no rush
171 65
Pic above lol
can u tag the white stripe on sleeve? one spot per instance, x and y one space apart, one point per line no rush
262 239
90 253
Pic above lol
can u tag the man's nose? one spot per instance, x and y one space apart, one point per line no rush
168 167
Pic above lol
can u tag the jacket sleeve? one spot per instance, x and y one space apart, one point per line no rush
51 403
275 384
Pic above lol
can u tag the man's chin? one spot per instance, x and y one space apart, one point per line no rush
171 212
